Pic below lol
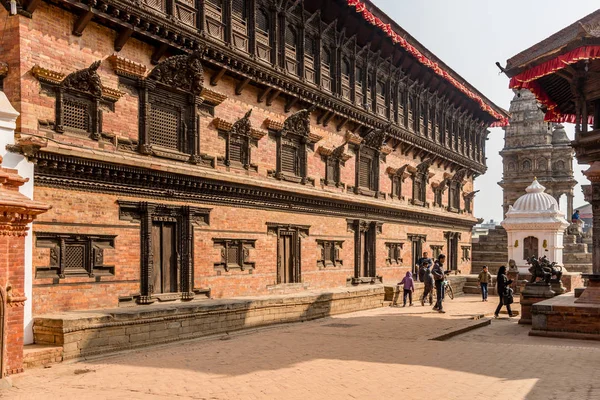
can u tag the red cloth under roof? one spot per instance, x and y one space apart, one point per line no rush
528 80
361 8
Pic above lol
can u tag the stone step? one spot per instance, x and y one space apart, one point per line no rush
40 355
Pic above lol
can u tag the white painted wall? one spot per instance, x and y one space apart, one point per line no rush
8 118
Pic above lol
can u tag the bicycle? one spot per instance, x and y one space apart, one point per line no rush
448 287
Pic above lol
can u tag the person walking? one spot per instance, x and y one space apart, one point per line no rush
428 281
504 291
424 259
409 288
438 276
484 278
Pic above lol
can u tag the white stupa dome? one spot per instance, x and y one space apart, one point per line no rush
535 199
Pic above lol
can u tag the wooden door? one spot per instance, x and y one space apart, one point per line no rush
530 247
452 258
287 258
164 272
417 252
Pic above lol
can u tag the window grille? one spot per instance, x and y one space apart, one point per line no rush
364 173
239 9
262 21
289 155
164 128
76 114
290 37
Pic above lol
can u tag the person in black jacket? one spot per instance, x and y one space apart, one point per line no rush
438 276
502 284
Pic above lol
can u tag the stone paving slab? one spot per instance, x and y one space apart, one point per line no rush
376 354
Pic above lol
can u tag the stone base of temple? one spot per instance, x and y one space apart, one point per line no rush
563 317
91 332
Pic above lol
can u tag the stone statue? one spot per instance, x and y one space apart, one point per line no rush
544 269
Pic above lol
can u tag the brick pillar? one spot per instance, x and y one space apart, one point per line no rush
17 211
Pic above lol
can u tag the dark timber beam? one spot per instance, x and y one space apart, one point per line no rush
328 118
158 53
122 38
273 97
82 22
263 95
239 88
340 126
321 117
217 76
290 103
32 5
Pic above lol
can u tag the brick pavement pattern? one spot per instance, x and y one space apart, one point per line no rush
376 354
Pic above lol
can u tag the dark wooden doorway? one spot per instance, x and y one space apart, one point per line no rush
288 265
452 246
165 266
368 241
417 252
530 247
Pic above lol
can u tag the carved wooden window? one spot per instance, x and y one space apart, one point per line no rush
396 186
75 255
291 42
366 179
466 253
452 239
167 115
185 11
238 144
419 188
326 70
394 253
263 29
365 249
454 196
346 68
332 171
309 58
358 86
381 100
330 253
215 26
289 157
436 250
235 253
239 24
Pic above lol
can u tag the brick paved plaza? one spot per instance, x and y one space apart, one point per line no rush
376 354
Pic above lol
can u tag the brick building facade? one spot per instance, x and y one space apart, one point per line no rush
236 148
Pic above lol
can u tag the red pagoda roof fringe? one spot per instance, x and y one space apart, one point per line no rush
361 8
528 80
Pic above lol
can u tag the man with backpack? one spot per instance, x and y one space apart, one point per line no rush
438 276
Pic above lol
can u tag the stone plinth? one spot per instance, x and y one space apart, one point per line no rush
532 294
562 316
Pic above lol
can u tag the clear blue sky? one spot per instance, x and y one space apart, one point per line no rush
470 36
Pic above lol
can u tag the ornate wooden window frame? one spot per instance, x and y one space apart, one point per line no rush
455 186
241 261
436 250
394 253
438 192
298 232
420 177
468 199
246 137
334 159
295 131
466 253
452 254
330 253
90 247
365 230
82 89
185 217
175 83
397 178
371 147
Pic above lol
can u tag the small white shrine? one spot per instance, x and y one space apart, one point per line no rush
535 226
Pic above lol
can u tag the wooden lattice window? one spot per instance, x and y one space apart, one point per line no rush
396 186
326 69
394 253
419 197
77 114
239 9
454 196
291 41
289 159
364 174
164 128
330 253
235 253
309 58
74 255
332 171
